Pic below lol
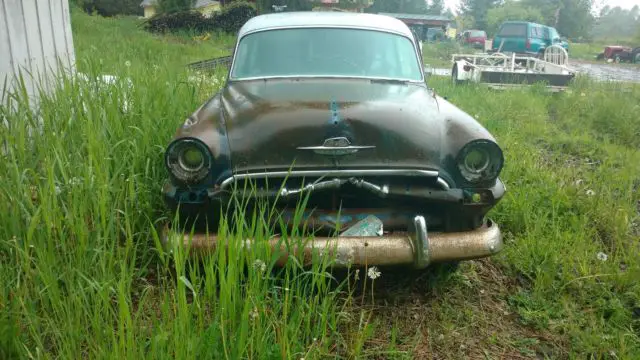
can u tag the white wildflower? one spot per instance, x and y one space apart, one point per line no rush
315 339
75 181
57 190
578 182
373 273
127 63
602 256
590 192
613 354
357 276
260 265
254 313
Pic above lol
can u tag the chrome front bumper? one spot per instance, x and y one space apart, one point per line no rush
417 247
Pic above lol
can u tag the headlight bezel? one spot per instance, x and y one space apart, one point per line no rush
489 171
178 167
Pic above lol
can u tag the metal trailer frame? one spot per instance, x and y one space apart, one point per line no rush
500 71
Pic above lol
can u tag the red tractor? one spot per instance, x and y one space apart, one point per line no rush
617 54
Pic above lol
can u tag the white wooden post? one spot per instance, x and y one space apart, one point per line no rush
35 39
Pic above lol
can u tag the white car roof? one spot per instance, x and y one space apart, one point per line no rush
325 19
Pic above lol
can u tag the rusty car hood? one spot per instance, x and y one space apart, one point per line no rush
274 124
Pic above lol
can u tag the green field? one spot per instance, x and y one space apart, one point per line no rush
83 275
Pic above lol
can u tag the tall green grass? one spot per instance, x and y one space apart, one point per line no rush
83 275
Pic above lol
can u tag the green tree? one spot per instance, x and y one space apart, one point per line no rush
575 18
572 18
617 23
172 6
399 6
436 7
511 10
475 12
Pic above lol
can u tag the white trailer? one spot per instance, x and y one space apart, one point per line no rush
501 71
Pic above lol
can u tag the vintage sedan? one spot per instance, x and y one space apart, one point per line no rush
334 107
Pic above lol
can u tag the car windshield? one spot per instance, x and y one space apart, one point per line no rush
476 33
326 52
519 30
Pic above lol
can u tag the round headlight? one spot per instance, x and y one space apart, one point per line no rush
191 159
480 161
477 160
188 160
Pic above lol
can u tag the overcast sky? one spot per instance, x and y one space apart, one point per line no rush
627 4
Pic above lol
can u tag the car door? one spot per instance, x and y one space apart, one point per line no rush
537 39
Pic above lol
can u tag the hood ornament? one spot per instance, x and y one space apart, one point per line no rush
336 146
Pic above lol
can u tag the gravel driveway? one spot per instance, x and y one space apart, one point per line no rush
608 72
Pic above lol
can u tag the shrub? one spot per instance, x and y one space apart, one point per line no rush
233 16
229 20
184 20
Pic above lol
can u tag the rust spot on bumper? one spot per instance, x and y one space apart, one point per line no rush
416 247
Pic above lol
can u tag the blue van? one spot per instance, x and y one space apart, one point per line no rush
527 38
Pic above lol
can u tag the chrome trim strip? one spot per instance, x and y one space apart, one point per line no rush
350 147
336 173
411 81
335 150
